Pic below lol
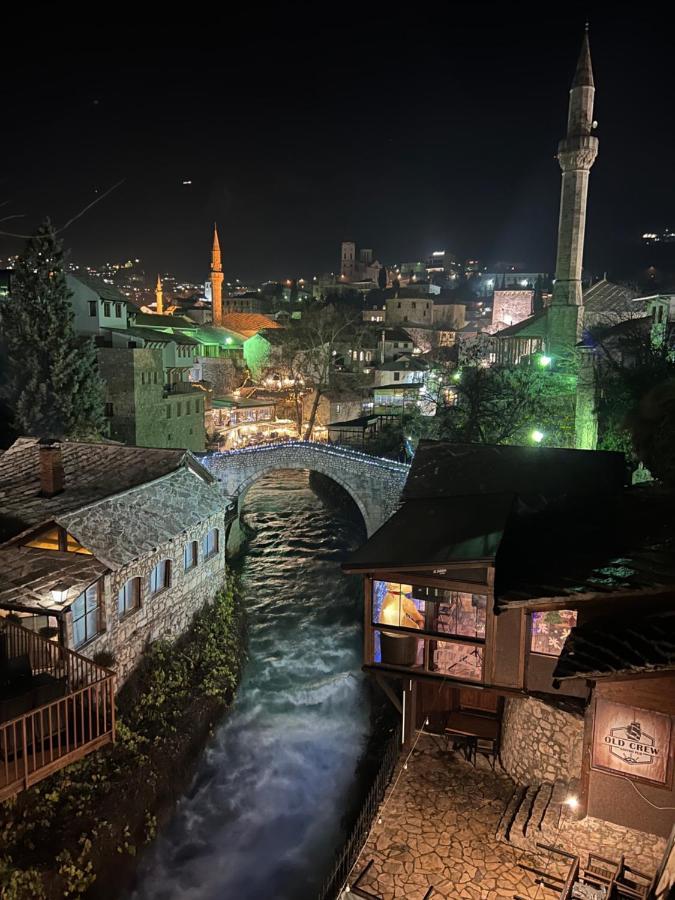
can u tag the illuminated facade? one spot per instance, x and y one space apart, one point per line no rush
216 281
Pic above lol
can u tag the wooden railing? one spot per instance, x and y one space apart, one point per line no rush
72 710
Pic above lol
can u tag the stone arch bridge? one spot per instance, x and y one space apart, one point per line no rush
374 484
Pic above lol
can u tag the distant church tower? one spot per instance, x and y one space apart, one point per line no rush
159 298
216 281
576 154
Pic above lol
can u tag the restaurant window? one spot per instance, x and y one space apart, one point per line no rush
439 615
210 543
550 630
160 577
129 596
86 616
190 555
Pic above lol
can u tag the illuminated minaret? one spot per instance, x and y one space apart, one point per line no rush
576 154
216 281
159 298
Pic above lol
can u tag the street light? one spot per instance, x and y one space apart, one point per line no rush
537 436
545 360
60 593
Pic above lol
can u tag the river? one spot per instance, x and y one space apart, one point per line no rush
262 818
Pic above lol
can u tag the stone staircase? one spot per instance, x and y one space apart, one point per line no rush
533 814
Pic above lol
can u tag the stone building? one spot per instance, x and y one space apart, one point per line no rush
108 547
358 263
402 310
142 409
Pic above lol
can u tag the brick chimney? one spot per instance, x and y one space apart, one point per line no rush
52 479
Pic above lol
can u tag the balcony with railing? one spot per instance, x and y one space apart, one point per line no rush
55 707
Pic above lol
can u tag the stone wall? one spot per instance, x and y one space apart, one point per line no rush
540 742
374 484
163 615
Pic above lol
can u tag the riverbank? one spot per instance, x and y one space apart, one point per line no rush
78 833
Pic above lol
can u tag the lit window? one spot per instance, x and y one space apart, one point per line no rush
160 577
86 616
190 552
550 630
129 596
210 543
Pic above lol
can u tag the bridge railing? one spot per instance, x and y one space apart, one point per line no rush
336 450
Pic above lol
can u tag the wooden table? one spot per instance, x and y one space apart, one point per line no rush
468 725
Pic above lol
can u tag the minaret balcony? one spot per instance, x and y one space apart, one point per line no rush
577 152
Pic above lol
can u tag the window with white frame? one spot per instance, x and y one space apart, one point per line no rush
190 555
129 596
210 543
160 577
86 612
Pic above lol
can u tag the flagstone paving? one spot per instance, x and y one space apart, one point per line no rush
438 828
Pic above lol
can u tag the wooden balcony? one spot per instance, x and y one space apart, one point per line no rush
55 707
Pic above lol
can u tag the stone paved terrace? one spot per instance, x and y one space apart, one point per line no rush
439 829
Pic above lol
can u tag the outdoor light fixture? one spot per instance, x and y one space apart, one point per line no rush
537 436
545 360
572 802
60 593
457 376
228 340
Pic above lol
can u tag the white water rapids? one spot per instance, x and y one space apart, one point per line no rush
262 818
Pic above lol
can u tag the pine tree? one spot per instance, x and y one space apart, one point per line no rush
51 384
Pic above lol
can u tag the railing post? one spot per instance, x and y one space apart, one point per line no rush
24 741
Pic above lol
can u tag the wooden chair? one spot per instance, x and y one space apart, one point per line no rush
631 884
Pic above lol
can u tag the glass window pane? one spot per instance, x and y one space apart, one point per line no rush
78 607
457 660
79 633
92 623
121 600
550 630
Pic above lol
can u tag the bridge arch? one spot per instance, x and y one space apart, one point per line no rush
374 484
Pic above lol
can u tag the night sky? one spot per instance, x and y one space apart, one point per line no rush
407 135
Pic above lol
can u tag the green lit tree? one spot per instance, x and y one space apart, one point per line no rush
51 383
497 404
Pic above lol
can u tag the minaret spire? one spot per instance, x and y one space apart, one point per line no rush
159 297
576 154
216 280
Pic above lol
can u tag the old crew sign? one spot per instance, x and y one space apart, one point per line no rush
631 741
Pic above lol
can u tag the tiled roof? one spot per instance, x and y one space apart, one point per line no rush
29 574
92 471
248 323
155 335
164 321
125 527
105 291
404 364
621 545
606 646
604 296
533 326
